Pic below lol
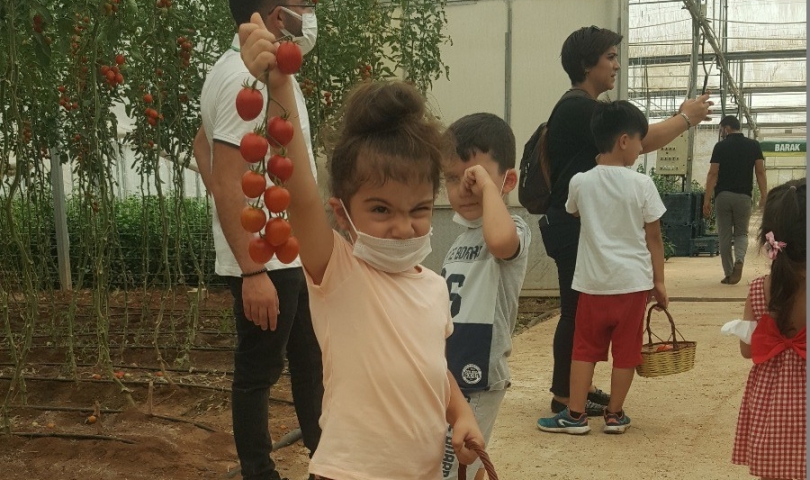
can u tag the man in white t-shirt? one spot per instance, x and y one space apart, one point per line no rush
271 305
619 265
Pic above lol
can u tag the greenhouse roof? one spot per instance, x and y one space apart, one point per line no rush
764 44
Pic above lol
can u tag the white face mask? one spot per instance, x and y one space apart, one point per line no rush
390 254
478 222
309 30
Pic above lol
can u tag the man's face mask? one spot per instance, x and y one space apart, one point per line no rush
309 30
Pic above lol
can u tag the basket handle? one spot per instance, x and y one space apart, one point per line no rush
482 454
671 323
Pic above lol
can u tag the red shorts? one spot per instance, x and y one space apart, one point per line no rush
602 319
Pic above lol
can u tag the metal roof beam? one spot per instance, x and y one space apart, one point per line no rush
681 92
663 112
730 56
708 33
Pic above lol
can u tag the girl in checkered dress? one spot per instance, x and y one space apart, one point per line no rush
771 428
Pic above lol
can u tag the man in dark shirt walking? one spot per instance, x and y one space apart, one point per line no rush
731 179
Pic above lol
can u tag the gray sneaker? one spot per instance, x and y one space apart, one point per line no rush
616 422
736 274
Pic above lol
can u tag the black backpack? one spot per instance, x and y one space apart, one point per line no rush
534 188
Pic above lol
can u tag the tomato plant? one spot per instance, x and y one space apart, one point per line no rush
102 87
370 40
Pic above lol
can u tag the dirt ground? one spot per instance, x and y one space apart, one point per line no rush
683 425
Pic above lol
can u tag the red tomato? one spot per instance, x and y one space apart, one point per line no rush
119 59
147 98
249 103
253 147
277 199
281 167
277 231
289 58
287 252
279 132
260 250
253 219
253 184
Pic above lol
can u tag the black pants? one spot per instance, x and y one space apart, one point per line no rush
258 362
560 233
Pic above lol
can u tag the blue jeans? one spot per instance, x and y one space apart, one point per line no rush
560 232
258 363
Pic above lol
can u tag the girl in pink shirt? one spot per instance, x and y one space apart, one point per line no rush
380 317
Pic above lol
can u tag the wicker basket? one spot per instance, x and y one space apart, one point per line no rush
666 357
490 469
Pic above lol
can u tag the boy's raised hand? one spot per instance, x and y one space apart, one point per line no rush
258 51
476 178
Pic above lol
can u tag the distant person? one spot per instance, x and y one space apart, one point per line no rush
591 60
619 265
772 425
484 268
730 179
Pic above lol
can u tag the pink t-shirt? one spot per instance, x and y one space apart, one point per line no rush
384 371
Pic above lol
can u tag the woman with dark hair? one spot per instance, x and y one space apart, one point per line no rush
590 58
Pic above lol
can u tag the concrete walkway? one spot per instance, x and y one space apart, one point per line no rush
683 425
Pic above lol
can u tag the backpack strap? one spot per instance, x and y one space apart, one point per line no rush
571 93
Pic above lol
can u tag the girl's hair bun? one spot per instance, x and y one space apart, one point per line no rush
378 107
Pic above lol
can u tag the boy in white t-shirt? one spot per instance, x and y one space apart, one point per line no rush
619 266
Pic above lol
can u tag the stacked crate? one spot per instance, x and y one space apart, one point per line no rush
684 227
678 222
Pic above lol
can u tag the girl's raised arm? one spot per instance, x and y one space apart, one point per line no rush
307 215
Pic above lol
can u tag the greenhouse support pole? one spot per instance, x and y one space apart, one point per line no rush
507 107
692 92
60 222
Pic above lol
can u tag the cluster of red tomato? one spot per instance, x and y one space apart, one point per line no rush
64 100
307 87
152 115
81 25
275 234
38 23
185 50
112 74
111 7
365 71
